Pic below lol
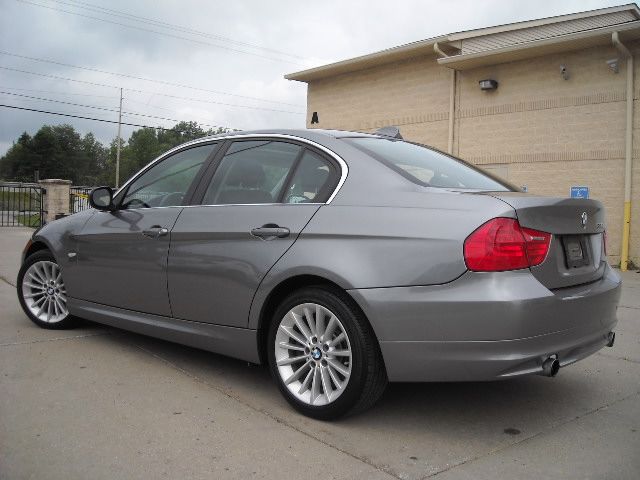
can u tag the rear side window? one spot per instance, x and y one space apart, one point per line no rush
428 167
312 180
252 172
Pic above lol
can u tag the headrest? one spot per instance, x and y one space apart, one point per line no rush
246 174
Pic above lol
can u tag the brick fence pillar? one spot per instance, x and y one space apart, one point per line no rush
56 199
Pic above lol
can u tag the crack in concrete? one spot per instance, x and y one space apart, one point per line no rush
8 282
56 339
364 460
608 355
544 431
265 412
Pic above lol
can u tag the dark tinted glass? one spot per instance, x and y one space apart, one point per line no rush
166 183
311 180
428 167
251 172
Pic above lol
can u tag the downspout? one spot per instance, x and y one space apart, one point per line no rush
626 226
452 110
452 101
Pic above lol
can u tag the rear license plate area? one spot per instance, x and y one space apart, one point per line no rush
576 252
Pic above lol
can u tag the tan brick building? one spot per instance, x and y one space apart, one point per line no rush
558 117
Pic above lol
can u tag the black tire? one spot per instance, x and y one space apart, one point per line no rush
368 377
65 322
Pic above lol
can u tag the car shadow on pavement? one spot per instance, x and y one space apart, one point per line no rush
509 407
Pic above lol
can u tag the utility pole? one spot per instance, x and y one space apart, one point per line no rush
118 145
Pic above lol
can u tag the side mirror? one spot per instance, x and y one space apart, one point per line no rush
101 198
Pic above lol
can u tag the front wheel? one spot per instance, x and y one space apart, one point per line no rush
323 354
42 293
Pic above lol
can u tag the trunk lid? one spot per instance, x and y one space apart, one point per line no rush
576 254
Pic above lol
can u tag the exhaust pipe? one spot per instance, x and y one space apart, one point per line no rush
611 339
550 366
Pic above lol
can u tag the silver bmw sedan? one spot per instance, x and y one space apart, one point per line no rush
341 260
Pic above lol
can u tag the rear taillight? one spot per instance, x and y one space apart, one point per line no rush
537 245
502 244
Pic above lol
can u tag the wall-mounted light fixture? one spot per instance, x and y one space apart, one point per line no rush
564 72
314 118
613 65
488 84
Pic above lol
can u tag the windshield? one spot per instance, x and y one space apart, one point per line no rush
428 167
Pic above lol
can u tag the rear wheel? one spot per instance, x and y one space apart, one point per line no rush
324 355
42 293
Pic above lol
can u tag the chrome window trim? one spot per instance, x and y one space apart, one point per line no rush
249 204
220 205
344 169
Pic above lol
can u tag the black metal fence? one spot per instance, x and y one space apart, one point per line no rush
21 205
79 199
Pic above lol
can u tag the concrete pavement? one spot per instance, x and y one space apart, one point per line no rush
97 402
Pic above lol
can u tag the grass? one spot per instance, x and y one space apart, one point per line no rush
16 200
28 220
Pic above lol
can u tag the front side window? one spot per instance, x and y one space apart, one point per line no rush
252 172
428 167
166 183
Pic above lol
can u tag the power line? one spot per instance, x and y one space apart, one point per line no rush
169 26
95 107
95 84
22 95
147 104
88 118
191 99
148 92
57 92
156 32
161 82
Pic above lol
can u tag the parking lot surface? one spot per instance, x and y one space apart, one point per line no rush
98 402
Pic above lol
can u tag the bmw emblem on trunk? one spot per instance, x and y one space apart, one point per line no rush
583 218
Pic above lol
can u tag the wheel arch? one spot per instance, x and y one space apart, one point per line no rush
281 291
33 247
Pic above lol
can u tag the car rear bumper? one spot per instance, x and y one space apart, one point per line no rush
488 326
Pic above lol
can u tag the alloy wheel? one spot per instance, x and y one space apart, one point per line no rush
44 292
313 354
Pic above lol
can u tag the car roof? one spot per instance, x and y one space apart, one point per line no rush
310 133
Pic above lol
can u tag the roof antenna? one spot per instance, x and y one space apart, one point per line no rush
393 132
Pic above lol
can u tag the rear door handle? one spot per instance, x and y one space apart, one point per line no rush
155 231
270 231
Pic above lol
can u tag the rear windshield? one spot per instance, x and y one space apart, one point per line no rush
428 167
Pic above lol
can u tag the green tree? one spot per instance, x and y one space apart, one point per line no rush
54 152
146 144
59 151
20 162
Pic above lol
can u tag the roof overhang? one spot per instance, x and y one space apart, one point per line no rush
449 46
573 41
542 22
396 54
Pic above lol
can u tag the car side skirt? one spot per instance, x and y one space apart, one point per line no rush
240 343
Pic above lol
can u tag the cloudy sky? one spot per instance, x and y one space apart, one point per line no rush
215 62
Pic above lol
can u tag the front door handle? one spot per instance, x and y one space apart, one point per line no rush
155 231
270 231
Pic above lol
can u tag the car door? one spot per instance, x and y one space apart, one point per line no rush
261 195
122 255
